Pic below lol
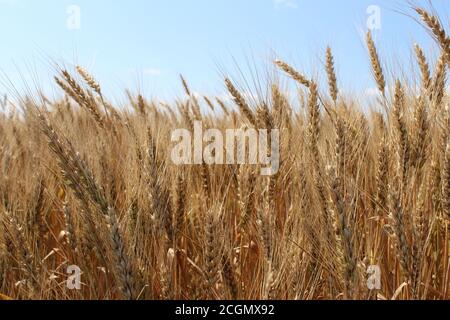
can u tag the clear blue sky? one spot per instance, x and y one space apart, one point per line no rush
146 43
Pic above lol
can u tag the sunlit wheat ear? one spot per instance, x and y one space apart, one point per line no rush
376 64
313 121
343 227
420 132
424 68
401 132
313 129
438 84
239 100
68 90
313 133
193 102
433 23
142 109
69 161
75 91
267 122
158 192
332 83
279 105
92 83
78 177
294 74
264 119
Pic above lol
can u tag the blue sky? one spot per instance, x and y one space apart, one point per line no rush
145 44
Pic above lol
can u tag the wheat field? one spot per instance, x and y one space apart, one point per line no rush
85 183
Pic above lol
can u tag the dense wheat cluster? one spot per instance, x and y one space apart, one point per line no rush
89 184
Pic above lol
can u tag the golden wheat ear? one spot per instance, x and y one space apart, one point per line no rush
92 83
434 25
424 68
294 74
244 108
376 64
331 74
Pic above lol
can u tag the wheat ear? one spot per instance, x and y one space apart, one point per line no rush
424 68
294 74
332 83
90 80
401 134
375 62
241 103
438 31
